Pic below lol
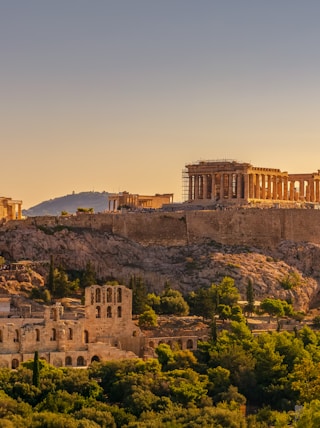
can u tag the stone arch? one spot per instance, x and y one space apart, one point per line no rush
119 295
16 336
98 295
109 295
15 363
53 334
68 361
151 344
80 361
37 335
95 358
109 312
119 311
98 312
189 344
1 336
179 342
86 336
70 334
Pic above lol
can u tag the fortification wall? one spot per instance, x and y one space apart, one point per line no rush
254 227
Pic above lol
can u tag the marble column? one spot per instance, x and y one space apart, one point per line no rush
269 190
257 193
239 186
275 189
190 187
230 177
205 187
285 188
246 187
196 187
263 186
213 187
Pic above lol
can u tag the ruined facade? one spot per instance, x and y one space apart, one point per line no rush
101 330
138 202
10 209
230 182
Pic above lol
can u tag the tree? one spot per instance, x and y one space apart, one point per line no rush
36 370
172 302
139 295
250 298
148 319
273 307
51 284
88 276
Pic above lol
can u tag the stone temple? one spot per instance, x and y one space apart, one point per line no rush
232 183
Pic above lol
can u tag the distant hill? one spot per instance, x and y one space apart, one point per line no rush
70 203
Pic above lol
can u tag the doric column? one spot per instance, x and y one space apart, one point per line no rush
301 190
205 187
213 187
196 187
269 190
246 187
239 186
285 188
280 184
263 186
251 192
257 195
291 194
275 190
311 189
317 198
230 177
190 188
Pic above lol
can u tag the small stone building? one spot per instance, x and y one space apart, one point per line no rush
10 209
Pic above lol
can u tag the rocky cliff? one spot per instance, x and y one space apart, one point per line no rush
180 248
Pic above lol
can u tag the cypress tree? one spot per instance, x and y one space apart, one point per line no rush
36 370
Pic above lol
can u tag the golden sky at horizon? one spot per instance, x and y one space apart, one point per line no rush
113 96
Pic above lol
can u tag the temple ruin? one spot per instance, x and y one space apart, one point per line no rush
10 209
138 202
229 182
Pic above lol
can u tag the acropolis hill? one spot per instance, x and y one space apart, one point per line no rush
266 242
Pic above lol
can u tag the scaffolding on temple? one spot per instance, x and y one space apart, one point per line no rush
185 185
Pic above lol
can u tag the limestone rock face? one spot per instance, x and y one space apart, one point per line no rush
289 270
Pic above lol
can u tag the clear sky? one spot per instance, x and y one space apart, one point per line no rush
120 95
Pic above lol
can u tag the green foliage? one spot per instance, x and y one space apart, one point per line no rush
36 370
139 295
88 277
172 302
276 307
291 280
148 319
85 210
250 298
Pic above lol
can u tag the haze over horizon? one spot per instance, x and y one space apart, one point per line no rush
120 95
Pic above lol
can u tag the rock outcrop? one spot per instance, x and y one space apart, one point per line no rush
287 270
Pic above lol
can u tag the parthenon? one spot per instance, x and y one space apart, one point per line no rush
233 183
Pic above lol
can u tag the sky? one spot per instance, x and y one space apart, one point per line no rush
101 95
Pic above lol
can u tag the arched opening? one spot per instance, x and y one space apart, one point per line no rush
53 334
179 343
109 312
189 344
98 312
16 336
68 361
37 335
119 312
119 295
15 363
70 334
1 336
80 361
95 358
109 295
86 336
151 344
98 295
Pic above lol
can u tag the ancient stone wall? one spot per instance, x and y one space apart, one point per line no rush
254 226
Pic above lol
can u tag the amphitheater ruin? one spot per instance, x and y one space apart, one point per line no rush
101 330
